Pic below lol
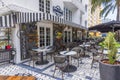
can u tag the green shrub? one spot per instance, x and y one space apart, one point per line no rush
111 44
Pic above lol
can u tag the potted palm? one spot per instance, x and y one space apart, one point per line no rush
110 67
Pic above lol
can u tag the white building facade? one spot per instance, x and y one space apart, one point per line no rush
38 21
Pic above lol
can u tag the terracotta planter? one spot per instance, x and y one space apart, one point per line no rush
109 71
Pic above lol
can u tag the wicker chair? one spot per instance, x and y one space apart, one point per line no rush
51 52
60 64
79 54
33 56
96 56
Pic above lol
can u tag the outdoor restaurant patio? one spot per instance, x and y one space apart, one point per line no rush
45 72
62 64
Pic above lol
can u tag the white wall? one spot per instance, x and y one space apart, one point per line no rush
85 16
76 17
30 4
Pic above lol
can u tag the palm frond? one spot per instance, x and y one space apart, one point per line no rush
108 11
105 9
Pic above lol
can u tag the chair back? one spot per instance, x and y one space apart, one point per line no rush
59 59
33 54
77 49
52 48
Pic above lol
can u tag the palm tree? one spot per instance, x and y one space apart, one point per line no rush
108 6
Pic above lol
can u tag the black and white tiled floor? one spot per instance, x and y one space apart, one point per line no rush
45 72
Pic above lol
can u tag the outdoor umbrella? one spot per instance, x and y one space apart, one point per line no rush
106 27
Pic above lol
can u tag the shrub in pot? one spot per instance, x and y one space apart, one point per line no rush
110 68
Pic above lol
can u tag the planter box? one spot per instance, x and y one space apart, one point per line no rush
109 71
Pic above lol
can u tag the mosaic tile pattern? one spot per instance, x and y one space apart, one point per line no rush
45 72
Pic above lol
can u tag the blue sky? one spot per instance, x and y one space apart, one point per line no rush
112 16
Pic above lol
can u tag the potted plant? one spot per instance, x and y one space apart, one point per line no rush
110 68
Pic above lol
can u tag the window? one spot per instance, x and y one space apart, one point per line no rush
41 5
67 36
79 35
67 14
48 36
44 36
44 6
86 7
47 6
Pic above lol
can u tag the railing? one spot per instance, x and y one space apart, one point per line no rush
7 55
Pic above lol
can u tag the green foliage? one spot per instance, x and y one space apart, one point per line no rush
111 44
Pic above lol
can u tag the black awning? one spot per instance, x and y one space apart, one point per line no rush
106 27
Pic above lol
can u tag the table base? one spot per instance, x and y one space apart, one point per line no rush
70 68
42 63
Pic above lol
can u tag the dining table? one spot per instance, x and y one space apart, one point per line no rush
68 54
41 52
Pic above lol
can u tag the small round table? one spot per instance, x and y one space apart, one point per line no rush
41 51
69 68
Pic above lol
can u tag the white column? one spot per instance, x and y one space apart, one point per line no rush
51 34
16 43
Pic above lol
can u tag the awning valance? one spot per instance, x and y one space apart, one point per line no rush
13 14
26 17
6 21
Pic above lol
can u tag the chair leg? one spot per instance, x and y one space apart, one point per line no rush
92 64
54 71
33 63
51 58
46 56
62 76
29 62
78 62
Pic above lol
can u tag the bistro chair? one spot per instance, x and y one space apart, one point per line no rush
79 54
33 57
60 64
51 52
96 56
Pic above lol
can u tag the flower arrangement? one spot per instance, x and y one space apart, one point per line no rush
59 35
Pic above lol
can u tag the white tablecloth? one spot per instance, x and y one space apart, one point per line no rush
41 50
68 53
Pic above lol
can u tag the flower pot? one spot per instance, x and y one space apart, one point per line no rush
109 71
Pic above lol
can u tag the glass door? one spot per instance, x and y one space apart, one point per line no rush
67 36
44 36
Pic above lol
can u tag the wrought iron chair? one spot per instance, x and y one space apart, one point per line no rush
79 54
60 64
33 57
